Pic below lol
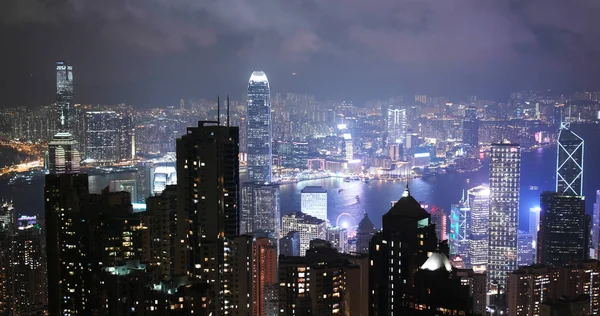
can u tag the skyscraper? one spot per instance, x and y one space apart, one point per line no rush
309 227
397 125
313 201
207 195
471 129
505 176
479 204
460 229
569 162
562 234
102 136
596 226
64 96
63 156
525 250
70 284
260 211
259 129
396 253
364 233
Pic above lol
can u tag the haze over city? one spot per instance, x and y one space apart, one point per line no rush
152 53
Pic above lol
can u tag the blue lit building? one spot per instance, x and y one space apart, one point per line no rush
258 139
569 162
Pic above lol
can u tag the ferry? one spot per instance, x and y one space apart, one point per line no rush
340 190
357 199
347 179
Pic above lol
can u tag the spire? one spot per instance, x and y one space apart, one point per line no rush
406 190
218 110
227 110
62 118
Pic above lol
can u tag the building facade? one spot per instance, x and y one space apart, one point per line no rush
102 136
313 201
309 227
258 131
569 162
260 211
505 184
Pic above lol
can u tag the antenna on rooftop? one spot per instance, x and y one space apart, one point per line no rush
227 110
218 110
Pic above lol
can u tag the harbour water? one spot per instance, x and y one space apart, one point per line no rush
374 197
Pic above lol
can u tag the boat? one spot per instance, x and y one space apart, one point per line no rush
347 179
366 180
357 199
340 190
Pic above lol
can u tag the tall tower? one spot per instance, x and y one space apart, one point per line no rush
259 129
64 95
505 178
207 195
562 234
63 157
569 162
69 284
479 204
596 226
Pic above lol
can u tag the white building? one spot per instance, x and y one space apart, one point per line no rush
338 237
314 202
308 226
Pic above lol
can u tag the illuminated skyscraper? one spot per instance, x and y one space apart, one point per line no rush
207 193
471 128
479 204
569 162
563 229
102 136
260 211
64 96
309 227
259 129
63 157
596 226
396 125
505 178
313 202
460 226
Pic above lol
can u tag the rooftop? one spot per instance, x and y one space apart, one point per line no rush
259 76
313 189
407 206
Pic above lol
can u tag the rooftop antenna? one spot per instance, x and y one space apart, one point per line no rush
228 110
218 110
406 190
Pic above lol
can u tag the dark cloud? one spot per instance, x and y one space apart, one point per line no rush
402 39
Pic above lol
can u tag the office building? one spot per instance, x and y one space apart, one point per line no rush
324 282
569 162
63 156
470 127
529 287
397 124
260 211
479 205
534 227
289 245
460 230
364 233
309 227
566 306
313 201
563 229
596 226
505 176
338 237
525 249
258 130
396 253
64 97
207 193
124 185
67 247
102 136
395 152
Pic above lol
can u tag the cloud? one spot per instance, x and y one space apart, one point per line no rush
399 31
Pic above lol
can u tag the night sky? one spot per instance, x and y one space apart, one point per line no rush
154 52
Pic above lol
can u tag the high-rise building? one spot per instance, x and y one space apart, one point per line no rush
313 201
260 211
397 125
596 226
505 176
479 204
460 230
259 138
562 234
309 227
364 233
528 287
534 226
569 162
102 136
207 194
69 283
254 266
289 245
324 282
525 249
396 253
124 185
63 156
338 237
64 97
28 268
471 129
